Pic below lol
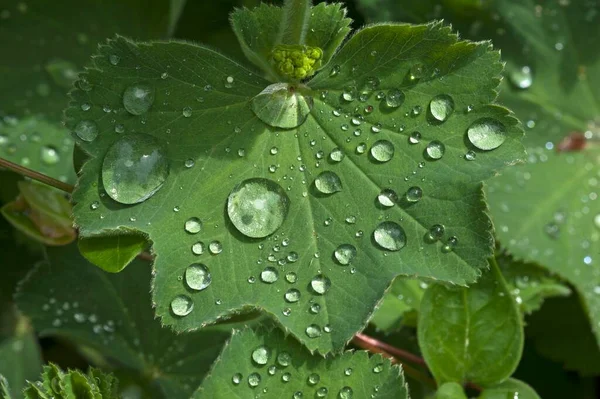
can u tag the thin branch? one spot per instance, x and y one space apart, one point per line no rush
32 174
361 339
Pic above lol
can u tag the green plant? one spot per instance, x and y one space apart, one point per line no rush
239 223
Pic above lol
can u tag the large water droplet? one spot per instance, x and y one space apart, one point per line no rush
282 105
328 183
269 275
441 107
344 254
382 150
138 98
261 355
86 130
487 133
197 276
292 295
435 149
134 168
257 207
394 98
320 284
182 305
390 236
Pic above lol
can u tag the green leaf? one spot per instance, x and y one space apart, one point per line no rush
20 358
530 284
112 253
257 31
37 144
4 388
72 384
400 304
270 363
561 332
213 158
510 388
450 390
42 213
112 314
471 334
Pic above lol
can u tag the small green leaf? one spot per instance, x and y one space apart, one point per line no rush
450 390
72 384
510 388
112 314
42 213
112 253
267 362
4 388
471 334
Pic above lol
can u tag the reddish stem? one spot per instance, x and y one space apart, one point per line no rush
362 340
32 174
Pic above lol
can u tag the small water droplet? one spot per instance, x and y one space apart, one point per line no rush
257 207
470 155
387 198
382 150
237 378
291 277
320 284
313 331
189 163
292 295
414 138
328 183
390 236
193 225
450 244
435 233
414 194
394 98
197 276
336 155
187 112
378 368
261 355
284 359
335 70
86 130
344 254
521 78
50 155
435 149
254 380
441 107
182 305
95 205
138 98
269 275
114 59
215 247
315 308
417 71
282 105
313 379
322 392
487 134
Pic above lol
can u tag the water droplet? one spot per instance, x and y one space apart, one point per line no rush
86 130
186 112
85 107
313 331
417 71
215 247
286 377
387 198
320 284
470 155
257 207
313 379
284 359
95 205
114 59
197 276
361 148
237 378
119 128
346 393
450 244
282 105
292 295
254 380
344 254
487 134
315 308
336 155
382 150
193 225
348 371
261 355
435 149
414 138
298 395
50 155
521 78
322 392
182 305
291 277
378 368
134 168
394 98
441 107
597 220
138 98
189 163
334 71
414 194
328 183
390 236
435 233
269 275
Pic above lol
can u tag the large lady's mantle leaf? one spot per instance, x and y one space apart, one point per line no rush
271 366
191 138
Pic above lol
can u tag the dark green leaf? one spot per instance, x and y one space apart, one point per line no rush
510 388
112 314
399 306
112 253
471 334
268 363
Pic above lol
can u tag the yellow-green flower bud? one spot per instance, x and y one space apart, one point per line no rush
296 61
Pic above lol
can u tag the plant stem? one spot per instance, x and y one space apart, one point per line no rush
294 23
361 339
36 176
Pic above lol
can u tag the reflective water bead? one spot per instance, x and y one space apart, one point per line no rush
336 155
291 277
197 276
414 138
470 155
254 380
215 247
387 198
441 107
261 355
394 98
344 254
414 194
313 379
86 130
450 244
193 225
487 134
436 232
182 305
320 284
435 149
269 275
292 295
313 331
284 359
328 183
236 378
138 98
390 236
521 78
382 150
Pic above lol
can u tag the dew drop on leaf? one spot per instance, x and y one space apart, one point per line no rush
414 194
284 359
378 368
134 168
215 247
348 371
114 59
441 107
257 207
435 149
328 183
450 244
597 220
182 305
435 233
390 236
261 355
382 150
315 308
197 276
344 254
269 275
322 392
336 155
346 393
313 379
86 130
394 98
414 138
286 377
186 112
282 105
417 71
292 295
254 380
470 155
387 198
313 331
487 134
193 225
320 284
138 98
237 378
